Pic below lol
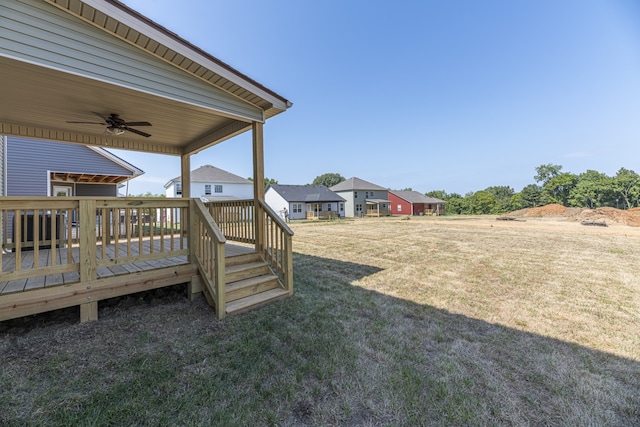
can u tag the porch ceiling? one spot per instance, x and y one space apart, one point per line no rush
37 101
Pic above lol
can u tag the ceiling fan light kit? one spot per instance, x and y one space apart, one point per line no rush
115 130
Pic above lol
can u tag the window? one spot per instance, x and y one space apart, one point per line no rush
218 188
297 207
207 189
371 194
341 207
329 207
358 208
355 194
366 195
399 207
178 189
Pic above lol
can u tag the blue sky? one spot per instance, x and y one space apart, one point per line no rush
452 95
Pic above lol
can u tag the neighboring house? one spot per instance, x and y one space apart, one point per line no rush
48 168
414 203
363 198
212 184
304 201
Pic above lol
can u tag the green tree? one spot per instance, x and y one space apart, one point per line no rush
558 188
437 194
503 195
483 202
592 190
544 173
456 204
626 184
328 179
530 196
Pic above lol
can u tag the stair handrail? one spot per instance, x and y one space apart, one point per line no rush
277 250
207 243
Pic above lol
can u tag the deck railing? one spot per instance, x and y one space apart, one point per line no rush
62 235
28 229
277 244
235 219
208 254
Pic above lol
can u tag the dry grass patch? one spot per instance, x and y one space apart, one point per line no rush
430 321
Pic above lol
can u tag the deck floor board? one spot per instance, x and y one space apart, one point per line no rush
61 254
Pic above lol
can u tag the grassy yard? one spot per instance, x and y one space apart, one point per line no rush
427 321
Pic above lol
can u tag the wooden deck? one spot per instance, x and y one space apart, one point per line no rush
61 254
117 246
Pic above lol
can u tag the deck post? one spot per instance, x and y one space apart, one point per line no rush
288 268
88 255
185 175
258 182
89 311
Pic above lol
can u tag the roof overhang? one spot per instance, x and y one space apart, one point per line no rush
38 99
85 178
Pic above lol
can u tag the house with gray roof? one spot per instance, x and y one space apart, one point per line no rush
304 201
363 198
414 203
212 184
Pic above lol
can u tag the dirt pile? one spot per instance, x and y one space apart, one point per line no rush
629 217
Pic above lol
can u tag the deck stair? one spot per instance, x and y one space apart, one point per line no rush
250 283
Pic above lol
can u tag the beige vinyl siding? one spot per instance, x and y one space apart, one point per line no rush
36 32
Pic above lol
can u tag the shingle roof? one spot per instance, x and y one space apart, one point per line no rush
208 173
306 193
356 184
415 197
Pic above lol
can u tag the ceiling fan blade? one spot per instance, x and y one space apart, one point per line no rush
139 132
138 124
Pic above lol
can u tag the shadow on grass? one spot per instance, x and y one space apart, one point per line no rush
334 354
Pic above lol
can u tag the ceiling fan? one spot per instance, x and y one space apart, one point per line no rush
117 126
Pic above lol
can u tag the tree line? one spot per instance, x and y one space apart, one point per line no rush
591 189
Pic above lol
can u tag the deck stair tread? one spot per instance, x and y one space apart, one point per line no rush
243 271
255 301
251 286
242 259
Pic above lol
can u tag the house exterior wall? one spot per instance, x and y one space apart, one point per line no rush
276 202
400 206
230 190
96 190
356 199
28 174
349 203
324 207
34 31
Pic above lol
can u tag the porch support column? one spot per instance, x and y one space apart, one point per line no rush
185 166
258 182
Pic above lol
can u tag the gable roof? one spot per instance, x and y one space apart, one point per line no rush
415 197
306 193
208 173
115 60
356 184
